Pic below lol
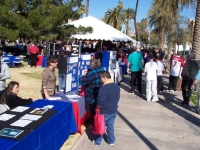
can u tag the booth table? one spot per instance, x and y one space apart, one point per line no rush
44 62
11 59
124 69
80 114
39 60
51 134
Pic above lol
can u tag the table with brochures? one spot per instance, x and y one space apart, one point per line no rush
44 125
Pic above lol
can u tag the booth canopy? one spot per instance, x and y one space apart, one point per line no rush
101 31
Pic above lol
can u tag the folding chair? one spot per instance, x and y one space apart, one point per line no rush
3 108
6 60
17 62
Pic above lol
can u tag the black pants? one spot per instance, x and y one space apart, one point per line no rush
33 60
186 89
136 76
160 83
92 108
172 82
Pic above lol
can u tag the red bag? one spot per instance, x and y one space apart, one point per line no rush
82 92
99 123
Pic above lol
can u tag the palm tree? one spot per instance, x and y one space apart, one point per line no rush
87 7
173 6
196 37
128 14
114 16
158 20
81 10
135 21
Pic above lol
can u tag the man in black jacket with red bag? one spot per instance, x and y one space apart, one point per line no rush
188 74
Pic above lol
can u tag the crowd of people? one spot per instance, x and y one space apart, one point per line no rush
101 93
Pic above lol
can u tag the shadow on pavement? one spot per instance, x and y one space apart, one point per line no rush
171 102
142 137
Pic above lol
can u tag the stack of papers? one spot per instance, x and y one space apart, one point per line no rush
20 109
73 96
54 98
5 117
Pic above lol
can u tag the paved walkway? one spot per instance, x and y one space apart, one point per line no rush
142 125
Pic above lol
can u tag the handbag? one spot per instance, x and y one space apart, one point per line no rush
99 123
82 92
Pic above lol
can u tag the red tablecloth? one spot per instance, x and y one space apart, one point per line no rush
79 121
39 60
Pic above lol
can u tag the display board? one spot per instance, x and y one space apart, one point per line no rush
84 63
72 73
109 60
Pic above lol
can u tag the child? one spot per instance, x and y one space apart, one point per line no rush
151 79
159 75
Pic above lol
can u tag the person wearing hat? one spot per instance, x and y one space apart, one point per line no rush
189 72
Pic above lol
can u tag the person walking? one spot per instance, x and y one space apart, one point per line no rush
107 102
135 63
151 79
62 70
177 62
160 74
4 74
189 72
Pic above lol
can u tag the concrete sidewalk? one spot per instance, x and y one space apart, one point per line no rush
142 125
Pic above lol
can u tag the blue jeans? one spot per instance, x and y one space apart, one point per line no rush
62 80
109 122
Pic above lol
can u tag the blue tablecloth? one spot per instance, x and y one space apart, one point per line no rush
51 134
12 58
124 69
44 62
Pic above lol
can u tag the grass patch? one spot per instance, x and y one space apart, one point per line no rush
194 98
36 75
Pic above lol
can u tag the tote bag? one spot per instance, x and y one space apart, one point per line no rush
99 123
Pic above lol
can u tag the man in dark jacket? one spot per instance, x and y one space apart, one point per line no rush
107 102
189 72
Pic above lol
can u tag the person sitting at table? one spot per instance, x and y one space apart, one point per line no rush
10 97
92 82
49 78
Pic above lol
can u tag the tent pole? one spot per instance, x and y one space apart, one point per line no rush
101 44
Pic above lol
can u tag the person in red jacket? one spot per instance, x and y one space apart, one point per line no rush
33 51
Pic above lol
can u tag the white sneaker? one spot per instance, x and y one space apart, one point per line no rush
111 144
167 90
154 100
148 100
95 144
172 91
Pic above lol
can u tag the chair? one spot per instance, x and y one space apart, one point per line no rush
6 60
3 108
17 62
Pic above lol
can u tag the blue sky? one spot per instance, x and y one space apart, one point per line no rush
98 8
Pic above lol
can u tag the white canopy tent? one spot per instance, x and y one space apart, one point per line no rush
101 31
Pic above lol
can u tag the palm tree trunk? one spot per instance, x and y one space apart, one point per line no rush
170 42
87 7
127 28
135 21
196 36
162 38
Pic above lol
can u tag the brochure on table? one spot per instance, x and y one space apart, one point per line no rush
72 74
